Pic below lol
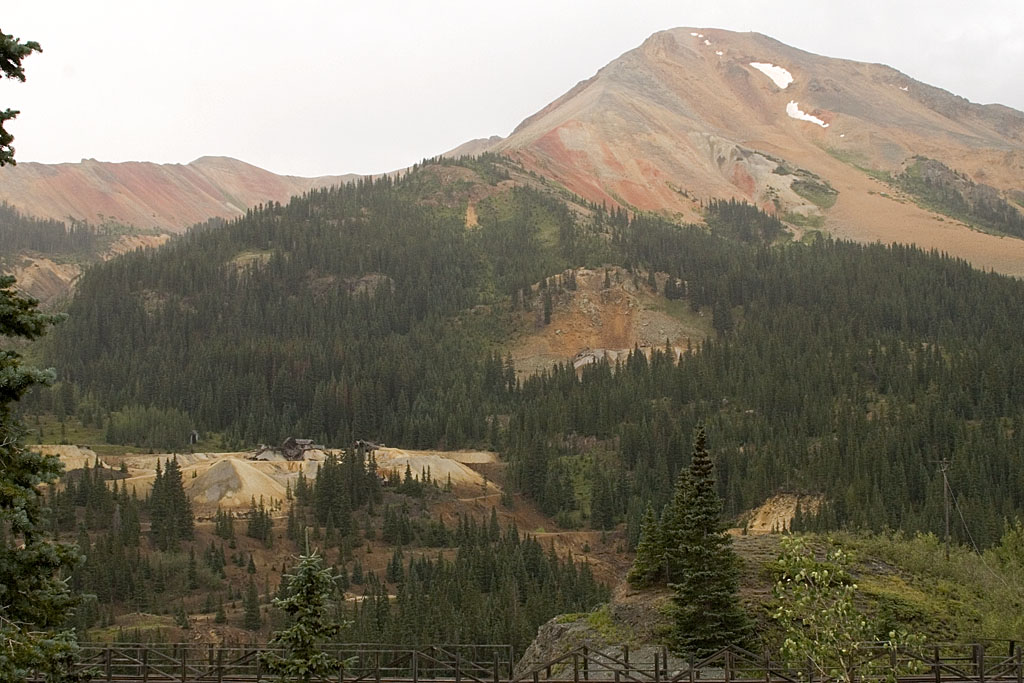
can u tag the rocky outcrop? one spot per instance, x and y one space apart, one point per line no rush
603 643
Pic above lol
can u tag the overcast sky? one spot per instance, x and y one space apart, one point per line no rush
314 88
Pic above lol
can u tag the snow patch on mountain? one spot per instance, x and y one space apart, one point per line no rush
780 76
793 109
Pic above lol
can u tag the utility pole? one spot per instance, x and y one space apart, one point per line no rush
943 467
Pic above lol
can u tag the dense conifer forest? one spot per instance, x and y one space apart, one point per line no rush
372 311
471 582
26 233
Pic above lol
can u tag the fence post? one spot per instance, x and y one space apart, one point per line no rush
220 665
657 669
728 666
497 667
979 656
586 663
810 670
1020 666
184 658
458 668
415 666
692 673
259 668
938 666
145 664
376 668
767 666
106 662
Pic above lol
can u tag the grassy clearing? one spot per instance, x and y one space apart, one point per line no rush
858 161
802 221
970 596
251 258
48 429
601 621
906 582
821 194
680 310
811 237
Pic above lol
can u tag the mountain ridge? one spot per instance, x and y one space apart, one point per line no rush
686 117
147 195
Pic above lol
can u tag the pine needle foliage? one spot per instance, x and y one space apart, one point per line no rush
35 603
299 656
689 550
648 567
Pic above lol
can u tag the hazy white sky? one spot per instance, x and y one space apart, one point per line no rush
317 87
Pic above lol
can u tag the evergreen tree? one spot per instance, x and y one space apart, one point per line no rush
706 611
12 51
649 564
170 509
193 575
35 603
312 624
220 617
252 621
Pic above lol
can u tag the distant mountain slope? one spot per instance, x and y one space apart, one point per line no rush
698 113
166 197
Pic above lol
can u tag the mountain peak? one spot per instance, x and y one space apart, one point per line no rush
693 114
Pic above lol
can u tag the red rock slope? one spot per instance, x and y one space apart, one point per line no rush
145 195
686 116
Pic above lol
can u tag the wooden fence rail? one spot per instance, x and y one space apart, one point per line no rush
988 662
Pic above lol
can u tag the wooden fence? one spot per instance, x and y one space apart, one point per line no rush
988 662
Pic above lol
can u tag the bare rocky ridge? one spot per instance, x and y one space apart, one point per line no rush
146 196
686 117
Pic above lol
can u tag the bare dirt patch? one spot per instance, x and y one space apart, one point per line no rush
44 279
441 466
594 322
233 483
776 514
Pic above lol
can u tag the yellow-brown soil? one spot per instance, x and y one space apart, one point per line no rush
593 322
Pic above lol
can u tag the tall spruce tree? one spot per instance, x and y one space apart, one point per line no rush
170 509
312 623
35 603
702 567
252 620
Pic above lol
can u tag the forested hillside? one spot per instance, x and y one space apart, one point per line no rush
373 311
471 581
